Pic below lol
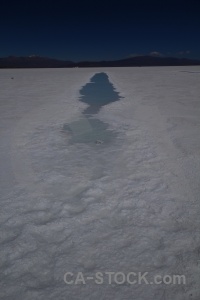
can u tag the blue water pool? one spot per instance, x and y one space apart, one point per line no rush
97 93
88 129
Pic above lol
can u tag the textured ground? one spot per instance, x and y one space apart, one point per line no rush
131 205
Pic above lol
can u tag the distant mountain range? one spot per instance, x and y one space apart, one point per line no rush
33 62
138 61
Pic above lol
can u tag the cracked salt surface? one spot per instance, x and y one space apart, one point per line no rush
132 206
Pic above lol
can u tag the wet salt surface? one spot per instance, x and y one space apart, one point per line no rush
89 130
97 93
69 207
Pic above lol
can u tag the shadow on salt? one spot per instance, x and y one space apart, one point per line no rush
97 93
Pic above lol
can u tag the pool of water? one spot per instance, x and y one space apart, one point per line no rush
97 93
88 129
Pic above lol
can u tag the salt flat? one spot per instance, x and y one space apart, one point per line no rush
127 206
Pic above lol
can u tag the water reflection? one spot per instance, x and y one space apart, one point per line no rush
97 93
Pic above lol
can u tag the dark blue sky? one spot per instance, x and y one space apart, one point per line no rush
96 30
